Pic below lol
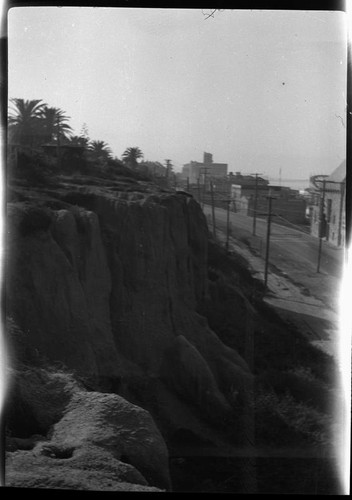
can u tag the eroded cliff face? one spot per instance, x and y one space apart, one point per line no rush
109 283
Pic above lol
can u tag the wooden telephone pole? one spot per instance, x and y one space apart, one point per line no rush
199 196
168 170
227 225
255 203
204 171
270 198
321 217
213 207
58 146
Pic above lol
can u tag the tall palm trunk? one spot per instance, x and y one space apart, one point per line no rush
58 146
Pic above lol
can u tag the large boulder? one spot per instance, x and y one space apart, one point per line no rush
127 431
48 467
77 439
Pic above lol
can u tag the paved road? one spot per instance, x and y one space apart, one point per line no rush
301 295
289 248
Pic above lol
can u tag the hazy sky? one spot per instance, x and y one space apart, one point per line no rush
260 90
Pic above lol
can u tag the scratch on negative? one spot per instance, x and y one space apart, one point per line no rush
343 123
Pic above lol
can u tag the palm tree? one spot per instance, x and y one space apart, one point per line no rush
79 140
131 156
100 150
54 124
24 120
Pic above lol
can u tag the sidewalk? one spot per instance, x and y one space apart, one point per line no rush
307 300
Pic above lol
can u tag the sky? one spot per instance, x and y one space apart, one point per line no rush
263 91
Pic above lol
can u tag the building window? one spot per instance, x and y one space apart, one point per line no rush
334 219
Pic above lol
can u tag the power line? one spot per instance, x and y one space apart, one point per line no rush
292 224
288 180
287 210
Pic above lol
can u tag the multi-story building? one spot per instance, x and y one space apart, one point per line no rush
199 172
192 171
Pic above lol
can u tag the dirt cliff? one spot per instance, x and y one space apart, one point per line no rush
109 280
115 279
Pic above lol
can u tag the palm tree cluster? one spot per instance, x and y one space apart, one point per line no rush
33 123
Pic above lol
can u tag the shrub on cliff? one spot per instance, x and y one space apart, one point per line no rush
27 218
234 266
31 166
280 346
303 386
283 421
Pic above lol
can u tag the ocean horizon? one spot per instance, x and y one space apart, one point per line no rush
299 184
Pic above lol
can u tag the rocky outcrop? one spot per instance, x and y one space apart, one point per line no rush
95 471
125 430
107 279
126 328
89 440
59 294
109 283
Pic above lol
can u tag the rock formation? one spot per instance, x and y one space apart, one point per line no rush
89 440
110 283
113 280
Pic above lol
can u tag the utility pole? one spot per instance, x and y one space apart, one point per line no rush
212 207
227 225
321 214
16 156
342 193
58 145
270 198
204 171
199 200
187 184
168 170
255 203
